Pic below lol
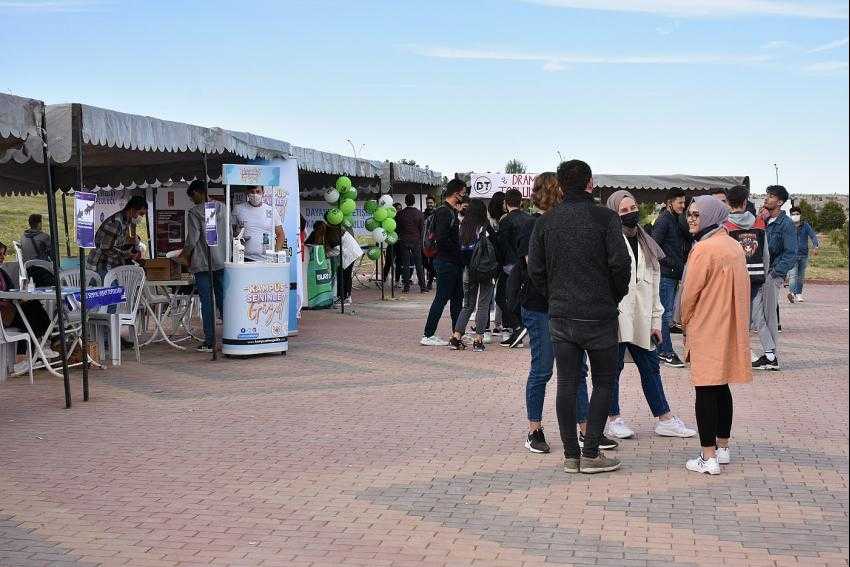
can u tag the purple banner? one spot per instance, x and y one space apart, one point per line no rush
84 212
211 223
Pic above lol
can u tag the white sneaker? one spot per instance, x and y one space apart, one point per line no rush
21 367
723 456
433 340
50 353
700 465
800 298
619 429
488 338
673 427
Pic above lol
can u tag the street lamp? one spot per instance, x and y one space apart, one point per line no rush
776 169
354 149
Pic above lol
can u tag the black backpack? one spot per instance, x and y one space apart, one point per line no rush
753 241
484 263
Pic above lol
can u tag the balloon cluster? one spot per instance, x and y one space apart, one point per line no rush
381 224
343 197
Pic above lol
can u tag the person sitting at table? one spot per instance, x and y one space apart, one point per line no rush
35 243
260 222
34 312
195 253
116 241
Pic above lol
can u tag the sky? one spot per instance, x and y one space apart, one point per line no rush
701 87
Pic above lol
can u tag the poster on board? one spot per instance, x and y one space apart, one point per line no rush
483 185
84 212
170 231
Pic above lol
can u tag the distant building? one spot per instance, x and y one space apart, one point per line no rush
817 201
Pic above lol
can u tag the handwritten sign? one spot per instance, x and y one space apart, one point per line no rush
239 174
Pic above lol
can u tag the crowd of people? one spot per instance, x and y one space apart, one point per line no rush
592 288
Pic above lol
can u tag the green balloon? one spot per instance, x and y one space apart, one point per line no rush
374 253
380 214
371 224
392 237
347 206
390 212
343 184
371 206
389 225
334 216
352 194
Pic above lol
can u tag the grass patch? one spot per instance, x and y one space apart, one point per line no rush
830 264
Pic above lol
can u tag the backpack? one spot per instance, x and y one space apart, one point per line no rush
753 241
484 263
429 236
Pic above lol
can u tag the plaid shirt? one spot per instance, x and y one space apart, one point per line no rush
113 244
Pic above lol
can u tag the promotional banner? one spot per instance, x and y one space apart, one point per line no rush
170 231
84 212
483 185
256 308
211 223
97 297
251 174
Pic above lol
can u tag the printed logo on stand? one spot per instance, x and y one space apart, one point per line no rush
482 185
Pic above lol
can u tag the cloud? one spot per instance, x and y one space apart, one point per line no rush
829 46
553 62
55 5
779 44
816 9
554 66
827 67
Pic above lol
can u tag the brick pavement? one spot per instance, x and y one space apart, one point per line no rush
362 448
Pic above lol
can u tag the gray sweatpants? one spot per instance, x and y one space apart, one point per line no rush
764 314
477 296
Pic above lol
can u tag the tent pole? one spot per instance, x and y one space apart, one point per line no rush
83 282
341 286
209 259
54 253
65 220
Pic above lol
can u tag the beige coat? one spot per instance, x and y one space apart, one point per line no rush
715 312
641 309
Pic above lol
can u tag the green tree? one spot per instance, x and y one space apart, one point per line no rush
831 217
515 166
839 239
808 213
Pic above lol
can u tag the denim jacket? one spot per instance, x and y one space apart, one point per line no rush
782 244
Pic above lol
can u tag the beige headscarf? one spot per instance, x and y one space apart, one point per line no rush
651 249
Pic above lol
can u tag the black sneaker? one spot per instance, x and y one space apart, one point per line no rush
779 329
405 289
536 442
604 442
478 346
515 339
764 363
672 360
456 344
676 330
203 348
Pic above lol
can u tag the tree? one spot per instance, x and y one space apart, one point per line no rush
808 213
408 161
839 239
831 217
515 166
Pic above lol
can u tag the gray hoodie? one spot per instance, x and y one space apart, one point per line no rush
35 245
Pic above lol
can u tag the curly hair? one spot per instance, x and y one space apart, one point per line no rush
546 191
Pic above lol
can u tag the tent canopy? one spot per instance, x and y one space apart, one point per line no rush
21 157
664 182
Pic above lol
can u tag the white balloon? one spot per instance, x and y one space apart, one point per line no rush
379 234
386 201
331 195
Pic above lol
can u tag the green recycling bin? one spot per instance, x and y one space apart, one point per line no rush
319 279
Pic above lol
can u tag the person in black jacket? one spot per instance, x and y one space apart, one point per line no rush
667 232
578 260
447 264
511 226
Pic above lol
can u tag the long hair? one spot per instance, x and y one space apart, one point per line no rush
496 206
546 191
474 220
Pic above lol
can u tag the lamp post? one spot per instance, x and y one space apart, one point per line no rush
354 149
776 170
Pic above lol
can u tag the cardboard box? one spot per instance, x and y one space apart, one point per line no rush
161 269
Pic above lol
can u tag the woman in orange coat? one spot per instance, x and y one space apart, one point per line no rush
714 310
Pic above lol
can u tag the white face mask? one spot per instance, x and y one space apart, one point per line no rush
136 220
795 218
255 199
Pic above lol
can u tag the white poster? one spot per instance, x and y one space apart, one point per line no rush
483 185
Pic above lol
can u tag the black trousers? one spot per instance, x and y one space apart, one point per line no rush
509 319
392 257
714 414
411 252
571 340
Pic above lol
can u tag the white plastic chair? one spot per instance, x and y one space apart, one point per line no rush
9 337
132 279
71 278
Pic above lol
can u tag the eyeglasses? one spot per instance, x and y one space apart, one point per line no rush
692 214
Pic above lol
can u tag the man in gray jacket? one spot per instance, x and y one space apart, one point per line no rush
35 244
196 251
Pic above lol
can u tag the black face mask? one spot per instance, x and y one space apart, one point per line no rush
630 220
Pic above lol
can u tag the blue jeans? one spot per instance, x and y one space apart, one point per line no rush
542 364
202 284
449 290
650 380
797 275
667 290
